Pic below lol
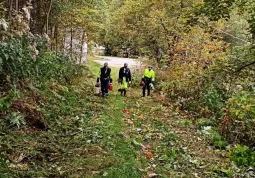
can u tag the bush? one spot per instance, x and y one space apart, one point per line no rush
205 122
15 119
22 60
241 114
217 140
16 60
214 98
243 156
31 78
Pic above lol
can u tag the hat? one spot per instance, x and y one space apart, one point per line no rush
105 64
125 64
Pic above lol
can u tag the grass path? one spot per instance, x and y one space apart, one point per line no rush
141 137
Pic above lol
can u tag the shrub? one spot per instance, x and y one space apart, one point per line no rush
243 156
22 60
241 114
205 122
217 140
214 97
15 119
185 123
27 73
16 60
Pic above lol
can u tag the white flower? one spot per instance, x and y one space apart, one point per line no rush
206 130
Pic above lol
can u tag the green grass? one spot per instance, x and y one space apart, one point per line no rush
90 136
84 135
111 128
95 68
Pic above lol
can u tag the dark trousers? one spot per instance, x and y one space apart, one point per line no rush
104 85
147 86
123 91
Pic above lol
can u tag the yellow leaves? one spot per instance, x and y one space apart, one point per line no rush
141 117
156 118
31 106
220 24
20 166
248 107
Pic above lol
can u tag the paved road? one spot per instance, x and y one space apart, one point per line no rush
118 62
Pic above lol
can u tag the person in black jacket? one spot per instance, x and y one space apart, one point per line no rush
124 79
105 73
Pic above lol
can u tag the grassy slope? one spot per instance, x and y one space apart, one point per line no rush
90 136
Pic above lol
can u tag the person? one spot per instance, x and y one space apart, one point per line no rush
124 79
105 73
148 78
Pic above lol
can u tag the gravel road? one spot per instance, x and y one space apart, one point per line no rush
118 62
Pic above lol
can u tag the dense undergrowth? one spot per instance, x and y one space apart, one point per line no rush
37 97
50 118
220 98
26 78
205 50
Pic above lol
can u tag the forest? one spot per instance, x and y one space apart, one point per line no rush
200 121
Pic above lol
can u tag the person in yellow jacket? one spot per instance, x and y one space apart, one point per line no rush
148 78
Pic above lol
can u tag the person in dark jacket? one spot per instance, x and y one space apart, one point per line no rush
124 79
105 73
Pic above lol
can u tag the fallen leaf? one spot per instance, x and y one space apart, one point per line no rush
148 155
21 167
95 172
125 111
141 117
152 175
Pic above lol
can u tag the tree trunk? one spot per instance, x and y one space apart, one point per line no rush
39 18
168 34
83 57
10 9
17 5
71 42
56 37
182 4
51 37
64 42
243 67
47 17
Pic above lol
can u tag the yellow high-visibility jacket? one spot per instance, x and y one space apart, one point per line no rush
149 74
